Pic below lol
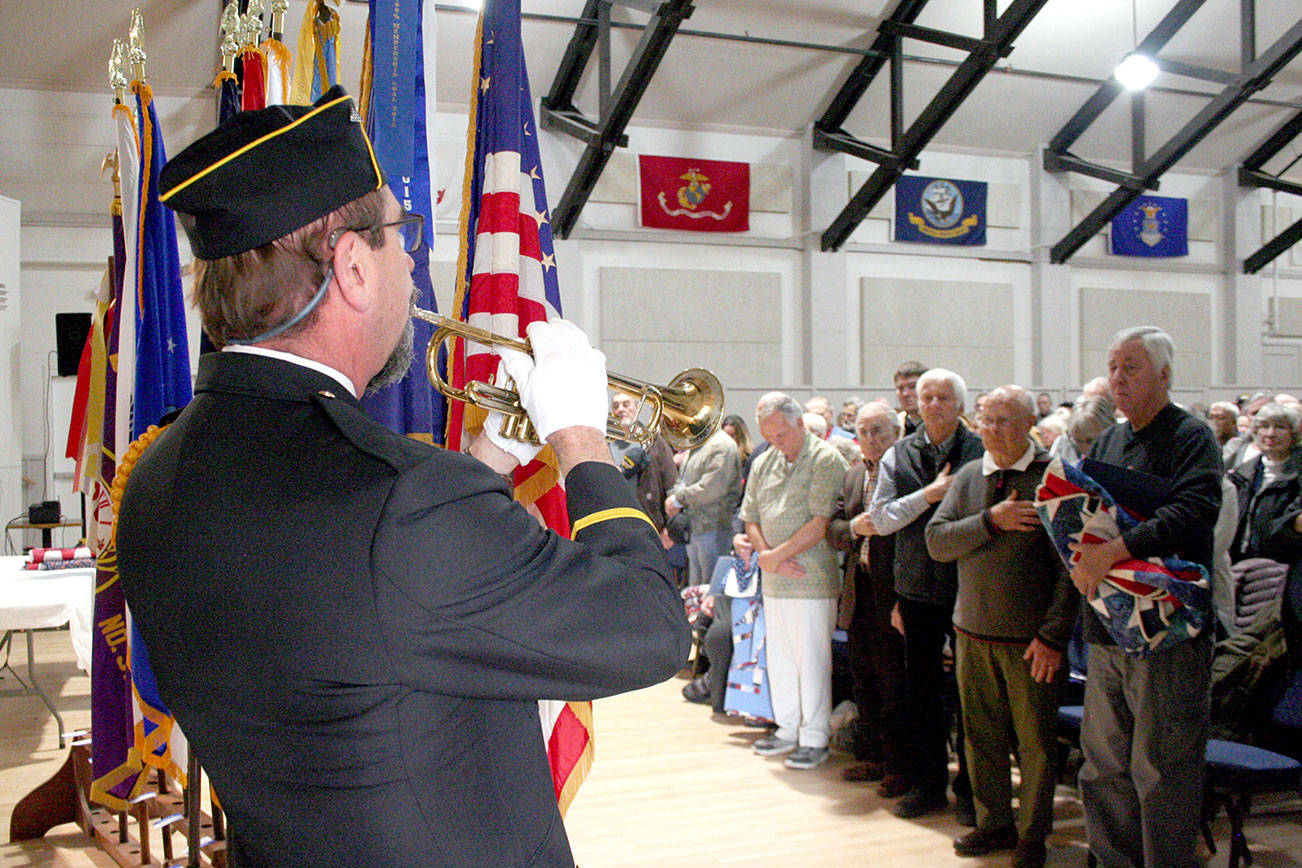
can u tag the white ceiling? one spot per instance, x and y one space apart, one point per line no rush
55 102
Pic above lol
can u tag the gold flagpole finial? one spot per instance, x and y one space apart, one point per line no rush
137 45
251 26
278 10
230 30
118 71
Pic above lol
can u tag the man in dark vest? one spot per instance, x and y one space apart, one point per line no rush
353 627
913 479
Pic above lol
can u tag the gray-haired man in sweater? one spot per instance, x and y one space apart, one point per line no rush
1016 606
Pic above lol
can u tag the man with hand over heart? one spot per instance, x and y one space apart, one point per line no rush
1015 611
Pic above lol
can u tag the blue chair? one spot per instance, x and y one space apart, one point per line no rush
1234 774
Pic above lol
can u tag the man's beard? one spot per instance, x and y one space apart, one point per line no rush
398 363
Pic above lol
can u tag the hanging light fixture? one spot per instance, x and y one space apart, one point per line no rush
1136 70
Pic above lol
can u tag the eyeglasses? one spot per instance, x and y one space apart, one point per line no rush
410 228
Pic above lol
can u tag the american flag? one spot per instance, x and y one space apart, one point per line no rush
506 280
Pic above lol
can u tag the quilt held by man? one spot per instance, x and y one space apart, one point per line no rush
1145 605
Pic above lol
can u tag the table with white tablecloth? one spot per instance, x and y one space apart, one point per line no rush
35 599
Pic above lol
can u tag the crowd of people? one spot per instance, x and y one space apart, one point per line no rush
911 526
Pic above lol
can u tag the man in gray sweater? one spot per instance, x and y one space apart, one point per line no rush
1015 612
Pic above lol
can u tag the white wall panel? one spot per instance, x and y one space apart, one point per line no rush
656 322
1185 316
966 326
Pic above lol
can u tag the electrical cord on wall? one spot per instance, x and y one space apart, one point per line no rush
45 453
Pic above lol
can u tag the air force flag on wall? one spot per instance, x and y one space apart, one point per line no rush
940 211
1151 226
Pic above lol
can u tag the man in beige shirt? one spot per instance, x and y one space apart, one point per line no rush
790 497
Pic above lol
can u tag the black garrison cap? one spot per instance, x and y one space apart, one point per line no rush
265 173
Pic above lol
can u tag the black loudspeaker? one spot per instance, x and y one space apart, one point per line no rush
45 512
70 330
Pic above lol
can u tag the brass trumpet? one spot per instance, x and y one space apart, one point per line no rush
686 412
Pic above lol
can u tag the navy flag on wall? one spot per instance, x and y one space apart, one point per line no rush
1151 226
940 210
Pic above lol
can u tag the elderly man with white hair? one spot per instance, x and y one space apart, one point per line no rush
790 496
1145 727
914 476
867 598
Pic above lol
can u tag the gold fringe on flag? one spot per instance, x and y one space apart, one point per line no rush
276 54
582 711
472 416
367 81
224 75
146 94
310 55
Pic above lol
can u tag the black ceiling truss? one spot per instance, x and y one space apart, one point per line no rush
1255 74
907 144
1251 174
616 105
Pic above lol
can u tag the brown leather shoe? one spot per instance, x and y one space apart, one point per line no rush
892 787
864 772
979 842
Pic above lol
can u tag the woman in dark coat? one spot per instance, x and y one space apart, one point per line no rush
1265 542
1267 482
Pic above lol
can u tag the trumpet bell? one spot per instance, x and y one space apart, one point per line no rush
693 405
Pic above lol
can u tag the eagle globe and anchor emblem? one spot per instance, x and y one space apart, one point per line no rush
941 204
691 195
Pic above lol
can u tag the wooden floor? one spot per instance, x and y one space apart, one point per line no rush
670 788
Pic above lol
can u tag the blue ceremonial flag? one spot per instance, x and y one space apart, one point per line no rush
162 387
1151 226
162 349
398 120
940 210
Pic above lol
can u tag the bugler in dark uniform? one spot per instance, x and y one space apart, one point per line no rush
352 627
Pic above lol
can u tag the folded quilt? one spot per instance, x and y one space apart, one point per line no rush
1145 605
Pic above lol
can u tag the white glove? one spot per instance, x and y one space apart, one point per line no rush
517 449
564 384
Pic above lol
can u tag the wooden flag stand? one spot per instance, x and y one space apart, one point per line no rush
128 837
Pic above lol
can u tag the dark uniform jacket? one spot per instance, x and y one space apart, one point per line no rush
917 576
353 627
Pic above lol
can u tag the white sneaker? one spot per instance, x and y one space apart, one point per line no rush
771 745
803 758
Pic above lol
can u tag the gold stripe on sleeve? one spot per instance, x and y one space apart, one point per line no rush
607 515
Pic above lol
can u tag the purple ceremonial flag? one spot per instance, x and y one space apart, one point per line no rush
110 709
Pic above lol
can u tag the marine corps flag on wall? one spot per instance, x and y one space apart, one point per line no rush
940 211
696 195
